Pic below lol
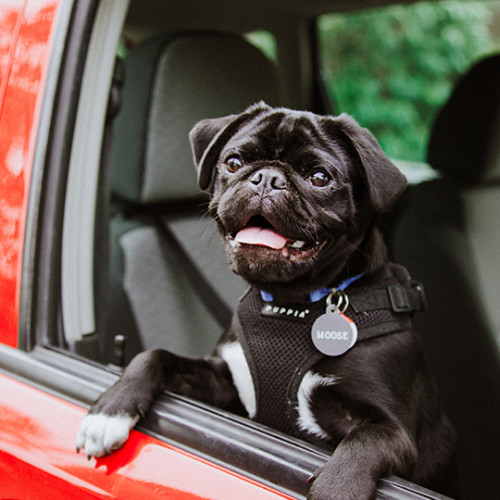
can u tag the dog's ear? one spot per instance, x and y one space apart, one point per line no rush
208 137
384 180
201 135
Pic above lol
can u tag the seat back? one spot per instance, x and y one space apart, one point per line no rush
448 236
171 82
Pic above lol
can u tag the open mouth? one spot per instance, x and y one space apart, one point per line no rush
259 232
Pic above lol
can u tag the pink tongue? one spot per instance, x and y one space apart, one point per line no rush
262 237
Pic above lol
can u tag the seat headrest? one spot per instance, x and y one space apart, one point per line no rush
171 83
462 144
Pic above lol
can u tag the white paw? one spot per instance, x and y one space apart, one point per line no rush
100 434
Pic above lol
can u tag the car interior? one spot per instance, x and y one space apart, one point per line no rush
167 281
172 82
446 235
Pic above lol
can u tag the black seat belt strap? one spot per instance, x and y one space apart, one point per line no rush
206 292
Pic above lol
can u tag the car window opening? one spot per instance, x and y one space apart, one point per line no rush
396 90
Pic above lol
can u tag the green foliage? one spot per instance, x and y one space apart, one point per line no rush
392 68
264 41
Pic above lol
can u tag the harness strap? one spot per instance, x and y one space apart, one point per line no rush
407 298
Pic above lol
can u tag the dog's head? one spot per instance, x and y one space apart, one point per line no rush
294 194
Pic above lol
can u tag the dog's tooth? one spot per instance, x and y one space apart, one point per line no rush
298 244
233 243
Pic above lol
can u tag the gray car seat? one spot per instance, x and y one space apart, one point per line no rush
171 82
448 235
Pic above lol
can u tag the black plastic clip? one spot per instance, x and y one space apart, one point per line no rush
407 299
400 302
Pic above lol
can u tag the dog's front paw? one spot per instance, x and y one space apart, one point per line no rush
100 434
327 484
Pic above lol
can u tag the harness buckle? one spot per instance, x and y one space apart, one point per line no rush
400 302
405 300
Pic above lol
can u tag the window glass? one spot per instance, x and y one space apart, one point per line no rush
392 68
264 41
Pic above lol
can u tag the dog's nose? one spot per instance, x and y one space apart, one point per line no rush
267 180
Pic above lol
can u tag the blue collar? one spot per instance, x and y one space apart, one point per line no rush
317 295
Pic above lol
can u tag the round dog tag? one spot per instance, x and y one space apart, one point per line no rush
333 333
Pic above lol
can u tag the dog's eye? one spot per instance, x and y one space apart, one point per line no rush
233 164
319 178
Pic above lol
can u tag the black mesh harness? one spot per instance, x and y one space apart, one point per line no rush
277 342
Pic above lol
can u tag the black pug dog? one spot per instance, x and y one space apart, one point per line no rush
321 345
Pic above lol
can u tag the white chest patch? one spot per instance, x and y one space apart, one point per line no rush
306 420
234 356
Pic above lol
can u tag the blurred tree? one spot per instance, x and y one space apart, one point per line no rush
392 68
